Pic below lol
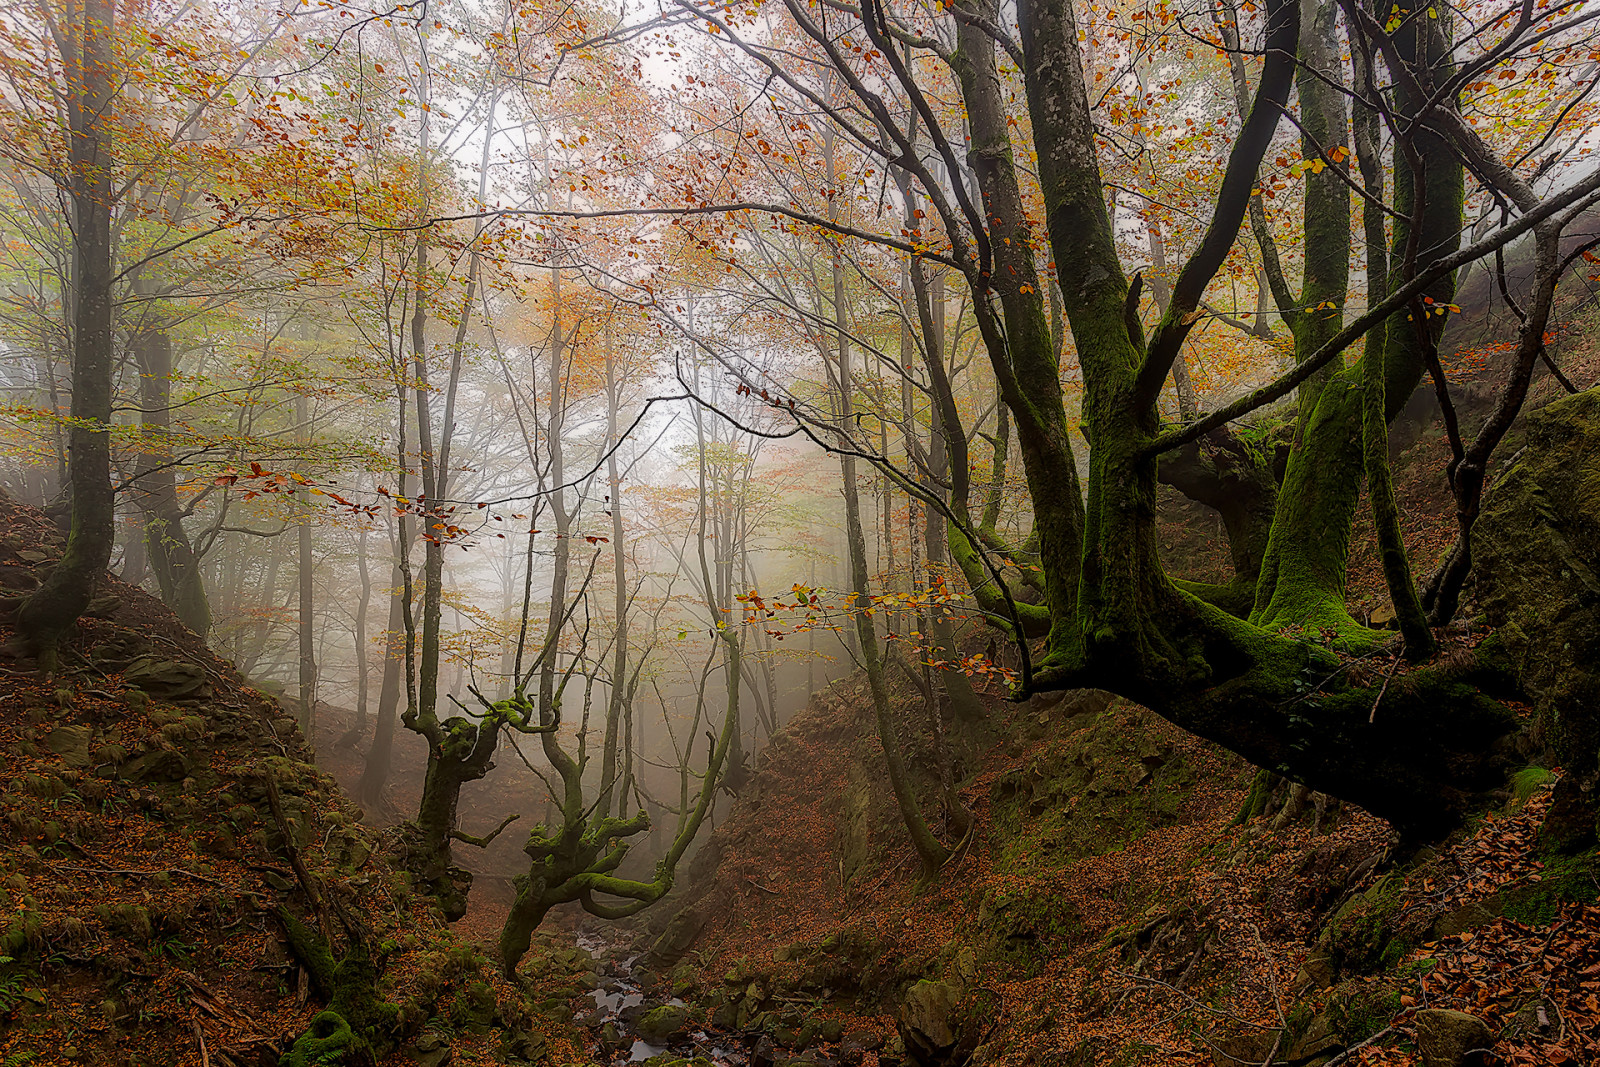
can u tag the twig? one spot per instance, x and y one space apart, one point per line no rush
1192 1001
1373 714
483 842
763 888
200 1036
1353 1049
144 874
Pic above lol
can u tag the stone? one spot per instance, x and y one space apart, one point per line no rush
1467 917
522 1047
663 1025
431 1050
71 743
614 1039
1536 565
925 1021
165 678
1449 1038
1242 1048
103 607
765 1054
157 765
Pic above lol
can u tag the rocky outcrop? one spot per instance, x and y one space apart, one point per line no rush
1536 558
927 1021
1452 1038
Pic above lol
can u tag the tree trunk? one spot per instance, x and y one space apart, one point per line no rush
53 609
307 572
376 771
171 554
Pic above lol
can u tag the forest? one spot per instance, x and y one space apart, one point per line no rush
800 532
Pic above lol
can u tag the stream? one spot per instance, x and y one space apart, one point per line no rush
619 1002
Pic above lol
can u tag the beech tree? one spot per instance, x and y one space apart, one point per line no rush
1267 678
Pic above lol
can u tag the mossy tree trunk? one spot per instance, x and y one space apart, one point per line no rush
55 606
1272 688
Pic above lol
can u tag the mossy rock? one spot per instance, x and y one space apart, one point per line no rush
166 679
1110 778
1360 938
663 1025
1536 564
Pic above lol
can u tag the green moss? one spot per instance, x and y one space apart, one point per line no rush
1029 924
1360 938
1566 880
1097 789
1365 1013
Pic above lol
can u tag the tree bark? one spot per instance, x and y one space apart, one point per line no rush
56 605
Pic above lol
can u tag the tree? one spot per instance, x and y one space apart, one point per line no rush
89 76
1270 687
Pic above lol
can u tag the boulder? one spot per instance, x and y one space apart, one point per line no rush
1536 568
765 1054
1229 1051
663 1025
157 765
926 1021
167 679
431 1050
1452 1038
71 743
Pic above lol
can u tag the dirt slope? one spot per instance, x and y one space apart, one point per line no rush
1113 909
143 871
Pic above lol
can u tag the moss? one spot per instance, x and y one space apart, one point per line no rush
1360 938
1097 789
1528 781
1364 1013
1030 924
1566 880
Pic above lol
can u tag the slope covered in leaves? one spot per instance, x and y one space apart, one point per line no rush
1113 908
145 874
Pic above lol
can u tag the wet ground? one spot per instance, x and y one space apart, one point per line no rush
620 1001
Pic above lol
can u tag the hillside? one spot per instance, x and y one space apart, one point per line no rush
1116 908
166 831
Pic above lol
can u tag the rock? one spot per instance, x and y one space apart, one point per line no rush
1538 1020
103 607
157 765
522 1046
614 1039
663 1025
869 1040
1242 1048
765 1054
165 678
1452 1038
925 1022
811 1057
431 1050
71 743
1536 564
851 1053
676 940
1467 917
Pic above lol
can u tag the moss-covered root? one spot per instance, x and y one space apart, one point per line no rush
330 1039
358 1028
